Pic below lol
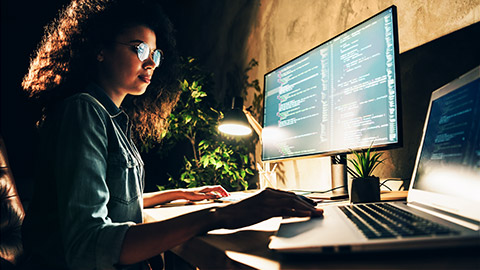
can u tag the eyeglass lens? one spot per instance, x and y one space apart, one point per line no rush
143 51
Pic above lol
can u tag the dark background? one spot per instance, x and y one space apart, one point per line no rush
21 29
215 33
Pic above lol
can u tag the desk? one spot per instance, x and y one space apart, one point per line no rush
246 248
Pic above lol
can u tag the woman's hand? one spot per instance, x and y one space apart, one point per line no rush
191 194
267 204
202 193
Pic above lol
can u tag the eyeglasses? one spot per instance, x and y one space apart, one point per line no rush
143 51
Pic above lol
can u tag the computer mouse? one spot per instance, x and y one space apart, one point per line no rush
308 200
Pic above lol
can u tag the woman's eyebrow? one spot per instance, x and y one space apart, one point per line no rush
136 41
139 41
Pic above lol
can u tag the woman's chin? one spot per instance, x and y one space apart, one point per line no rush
139 91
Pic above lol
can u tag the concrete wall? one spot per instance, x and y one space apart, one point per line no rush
284 29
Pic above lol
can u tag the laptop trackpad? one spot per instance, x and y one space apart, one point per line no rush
316 233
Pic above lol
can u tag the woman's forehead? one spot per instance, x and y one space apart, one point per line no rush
137 32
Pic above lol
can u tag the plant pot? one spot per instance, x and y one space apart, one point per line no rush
364 190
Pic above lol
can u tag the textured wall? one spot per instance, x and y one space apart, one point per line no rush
285 29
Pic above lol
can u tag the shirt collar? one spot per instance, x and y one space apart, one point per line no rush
98 93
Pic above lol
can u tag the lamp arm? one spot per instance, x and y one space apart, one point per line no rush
253 122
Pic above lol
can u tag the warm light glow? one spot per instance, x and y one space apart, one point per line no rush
235 129
257 262
438 178
273 134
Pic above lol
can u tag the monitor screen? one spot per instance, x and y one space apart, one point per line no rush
340 96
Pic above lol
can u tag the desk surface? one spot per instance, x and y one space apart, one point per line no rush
246 248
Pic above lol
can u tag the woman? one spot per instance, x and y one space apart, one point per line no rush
87 209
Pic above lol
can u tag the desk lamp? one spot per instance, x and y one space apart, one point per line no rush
238 120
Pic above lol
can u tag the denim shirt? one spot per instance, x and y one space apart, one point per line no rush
89 187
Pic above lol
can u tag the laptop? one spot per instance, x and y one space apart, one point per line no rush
443 203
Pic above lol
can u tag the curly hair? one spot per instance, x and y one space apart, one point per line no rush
62 64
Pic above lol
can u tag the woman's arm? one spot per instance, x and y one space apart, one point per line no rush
147 240
143 241
193 194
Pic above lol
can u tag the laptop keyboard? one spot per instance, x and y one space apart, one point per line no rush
383 220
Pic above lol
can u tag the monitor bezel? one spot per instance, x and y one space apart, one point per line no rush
379 147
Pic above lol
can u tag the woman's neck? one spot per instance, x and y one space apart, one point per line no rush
114 94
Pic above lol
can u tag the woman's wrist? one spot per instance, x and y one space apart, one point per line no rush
159 197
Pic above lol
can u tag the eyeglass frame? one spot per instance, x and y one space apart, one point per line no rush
150 52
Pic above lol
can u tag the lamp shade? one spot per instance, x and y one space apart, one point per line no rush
235 122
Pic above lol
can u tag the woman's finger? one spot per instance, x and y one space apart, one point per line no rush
289 204
218 189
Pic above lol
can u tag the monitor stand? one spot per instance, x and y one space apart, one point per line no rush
339 180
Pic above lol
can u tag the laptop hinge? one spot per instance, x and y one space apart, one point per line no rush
462 221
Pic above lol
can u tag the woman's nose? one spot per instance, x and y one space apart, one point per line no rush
149 63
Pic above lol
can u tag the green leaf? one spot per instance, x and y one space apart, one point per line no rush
245 159
244 184
204 162
188 118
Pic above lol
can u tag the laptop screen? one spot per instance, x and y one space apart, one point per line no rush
448 163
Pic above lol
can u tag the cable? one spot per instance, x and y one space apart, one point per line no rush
392 179
352 172
324 191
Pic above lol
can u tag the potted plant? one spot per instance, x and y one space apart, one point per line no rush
365 187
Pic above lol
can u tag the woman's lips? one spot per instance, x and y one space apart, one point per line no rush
146 79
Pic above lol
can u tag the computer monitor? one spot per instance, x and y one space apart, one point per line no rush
340 96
